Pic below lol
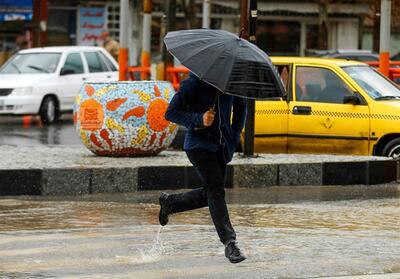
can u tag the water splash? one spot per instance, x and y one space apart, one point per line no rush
147 254
155 251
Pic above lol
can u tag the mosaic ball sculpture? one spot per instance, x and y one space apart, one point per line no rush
124 118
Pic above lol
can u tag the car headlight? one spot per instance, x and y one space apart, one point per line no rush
22 91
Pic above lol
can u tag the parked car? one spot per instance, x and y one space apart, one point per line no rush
332 106
396 57
45 81
358 55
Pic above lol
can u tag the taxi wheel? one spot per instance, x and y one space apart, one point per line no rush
48 110
392 149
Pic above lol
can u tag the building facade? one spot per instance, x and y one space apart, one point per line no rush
285 27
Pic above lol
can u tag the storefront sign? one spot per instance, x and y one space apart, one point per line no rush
91 25
16 10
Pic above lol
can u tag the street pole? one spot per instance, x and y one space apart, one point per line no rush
40 17
250 120
244 23
123 39
375 31
206 13
170 25
146 56
252 21
384 45
322 24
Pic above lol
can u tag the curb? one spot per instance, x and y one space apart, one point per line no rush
79 181
369 276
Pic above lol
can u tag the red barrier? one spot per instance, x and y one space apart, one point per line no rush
394 74
174 74
394 69
376 63
177 74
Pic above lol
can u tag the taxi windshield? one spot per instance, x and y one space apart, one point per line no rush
374 84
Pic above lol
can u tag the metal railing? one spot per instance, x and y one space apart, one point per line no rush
394 69
174 74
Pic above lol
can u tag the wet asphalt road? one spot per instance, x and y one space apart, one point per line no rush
285 234
15 131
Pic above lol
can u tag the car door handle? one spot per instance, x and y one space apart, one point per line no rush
84 78
302 110
108 76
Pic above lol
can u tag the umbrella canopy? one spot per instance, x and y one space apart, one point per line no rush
227 62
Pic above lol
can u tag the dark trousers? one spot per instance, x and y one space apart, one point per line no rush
211 169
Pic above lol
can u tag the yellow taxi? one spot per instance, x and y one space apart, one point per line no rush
332 106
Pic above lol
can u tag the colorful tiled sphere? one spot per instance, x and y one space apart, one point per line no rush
124 118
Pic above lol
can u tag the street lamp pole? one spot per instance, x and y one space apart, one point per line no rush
146 45
206 13
123 39
40 18
384 45
250 120
244 23
170 25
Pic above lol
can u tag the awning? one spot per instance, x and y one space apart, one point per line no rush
302 8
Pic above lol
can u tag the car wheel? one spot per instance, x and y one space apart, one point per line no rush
392 149
48 110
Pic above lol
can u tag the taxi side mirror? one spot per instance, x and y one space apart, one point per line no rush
352 99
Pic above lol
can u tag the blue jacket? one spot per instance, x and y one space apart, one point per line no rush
189 104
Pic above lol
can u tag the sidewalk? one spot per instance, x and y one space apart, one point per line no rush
73 170
373 276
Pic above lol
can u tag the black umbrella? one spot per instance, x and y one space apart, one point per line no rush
227 62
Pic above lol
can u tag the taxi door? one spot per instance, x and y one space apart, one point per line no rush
271 118
326 114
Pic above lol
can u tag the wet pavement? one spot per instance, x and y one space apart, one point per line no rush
286 232
17 130
29 131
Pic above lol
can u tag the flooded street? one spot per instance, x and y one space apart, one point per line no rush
286 232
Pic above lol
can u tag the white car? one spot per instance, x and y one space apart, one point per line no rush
45 81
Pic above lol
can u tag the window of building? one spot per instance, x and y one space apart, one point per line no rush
62 25
113 11
312 37
279 38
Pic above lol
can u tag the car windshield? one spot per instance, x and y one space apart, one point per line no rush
31 63
376 85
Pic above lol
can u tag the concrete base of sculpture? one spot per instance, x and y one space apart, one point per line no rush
124 118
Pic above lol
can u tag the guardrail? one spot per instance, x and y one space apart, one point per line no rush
394 69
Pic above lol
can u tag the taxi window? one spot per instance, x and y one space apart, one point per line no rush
315 84
284 72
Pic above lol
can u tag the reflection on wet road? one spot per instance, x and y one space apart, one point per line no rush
115 236
16 131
